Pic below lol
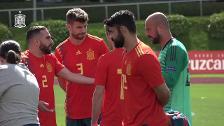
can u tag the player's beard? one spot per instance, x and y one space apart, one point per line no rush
156 39
45 49
79 36
119 41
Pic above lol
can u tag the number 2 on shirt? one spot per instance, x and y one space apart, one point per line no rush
44 81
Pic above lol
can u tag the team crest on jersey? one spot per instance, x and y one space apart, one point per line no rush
49 67
90 55
128 69
20 20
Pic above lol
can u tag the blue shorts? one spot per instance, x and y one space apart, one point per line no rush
31 125
78 122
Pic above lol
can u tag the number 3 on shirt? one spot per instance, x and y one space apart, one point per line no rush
80 67
44 81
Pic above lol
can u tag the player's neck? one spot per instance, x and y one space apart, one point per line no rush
130 42
36 52
76 41
164 40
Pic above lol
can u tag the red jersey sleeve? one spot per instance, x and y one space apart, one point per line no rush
103 47
58 65
101 71
150 69
58 55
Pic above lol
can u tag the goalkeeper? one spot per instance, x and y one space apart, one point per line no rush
174 60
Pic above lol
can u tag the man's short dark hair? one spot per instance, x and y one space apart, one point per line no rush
122 18
76 14
34 30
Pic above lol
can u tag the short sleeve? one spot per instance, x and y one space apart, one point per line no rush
3 85
149 68
5 80
58 65
101 71
103 47
58 54
176 60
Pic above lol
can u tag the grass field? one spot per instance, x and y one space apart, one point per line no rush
207 105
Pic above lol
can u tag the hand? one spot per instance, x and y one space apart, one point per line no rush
94 124
43 106
110 41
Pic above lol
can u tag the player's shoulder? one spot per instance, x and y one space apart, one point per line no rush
106 56
9 68
143 49
177 44
109 55
50 57
62 43
95 38
3 67
174 46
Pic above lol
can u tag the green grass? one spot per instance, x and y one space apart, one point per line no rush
207 104
60 99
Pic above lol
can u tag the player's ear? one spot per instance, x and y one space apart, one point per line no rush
36 41
159 29
69 26
123 29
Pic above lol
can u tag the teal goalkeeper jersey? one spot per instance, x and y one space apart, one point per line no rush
174 64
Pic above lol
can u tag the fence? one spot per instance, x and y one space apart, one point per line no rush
98 12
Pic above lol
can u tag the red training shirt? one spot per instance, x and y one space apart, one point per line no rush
80 59
141 73
109 75
44 68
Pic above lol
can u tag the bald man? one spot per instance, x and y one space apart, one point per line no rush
174 60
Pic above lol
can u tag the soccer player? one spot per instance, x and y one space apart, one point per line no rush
108 86
79 53
174 63
45 66
19 91
143 88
